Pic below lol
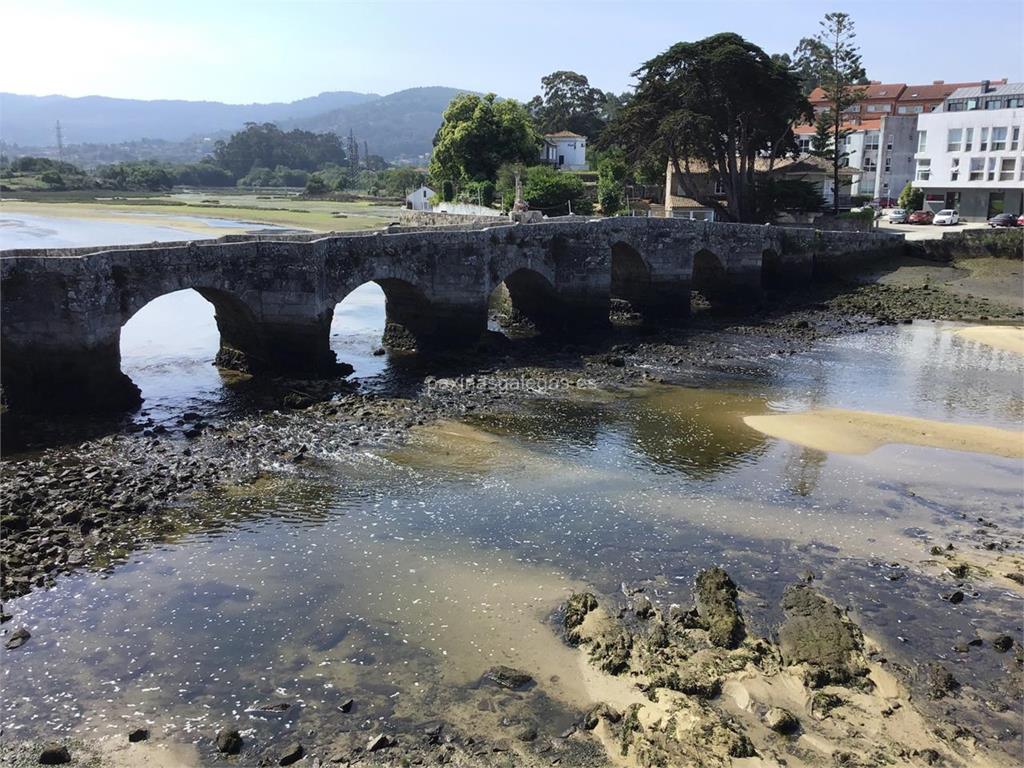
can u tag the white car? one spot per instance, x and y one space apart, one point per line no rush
946 216
898 216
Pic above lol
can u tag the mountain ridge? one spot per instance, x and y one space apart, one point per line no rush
397 125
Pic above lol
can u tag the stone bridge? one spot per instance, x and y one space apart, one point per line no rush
62 310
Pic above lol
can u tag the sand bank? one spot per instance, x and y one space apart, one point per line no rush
1009 338
836 430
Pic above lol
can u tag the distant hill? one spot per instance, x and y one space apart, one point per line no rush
400 125
30 120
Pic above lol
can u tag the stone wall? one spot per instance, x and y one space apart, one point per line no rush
1001 243
440 218
274 297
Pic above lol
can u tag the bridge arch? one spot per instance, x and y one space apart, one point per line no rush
631 289
242 346
710 277
771 267
409 317
526 298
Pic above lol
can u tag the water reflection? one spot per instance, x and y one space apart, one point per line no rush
397 579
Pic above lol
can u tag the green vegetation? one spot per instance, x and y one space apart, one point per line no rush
569 103
612 171
554 193
712 108
267 146
836 61
911 199
478 135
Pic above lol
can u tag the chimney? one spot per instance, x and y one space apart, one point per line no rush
984 86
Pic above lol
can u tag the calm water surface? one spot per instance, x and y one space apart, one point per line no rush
398 578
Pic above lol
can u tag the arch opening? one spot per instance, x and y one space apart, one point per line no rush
710 281
771 267
631 289
174 345
524 304
378 316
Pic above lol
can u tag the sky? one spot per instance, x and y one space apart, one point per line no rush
282 50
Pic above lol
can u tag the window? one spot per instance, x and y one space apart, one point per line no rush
804 142
954 169
888 144
993 103
888 163
922 140
955 106
998 139
879 108
977 172
968 139
972 103
953 139
870 165
1015 138
871 141
924 170
983 140
991 176
912 110
1007 168
1014 102
854 108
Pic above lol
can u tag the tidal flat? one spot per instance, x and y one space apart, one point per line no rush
617 572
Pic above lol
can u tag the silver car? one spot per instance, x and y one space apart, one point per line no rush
898 216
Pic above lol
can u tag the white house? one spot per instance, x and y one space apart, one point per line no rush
970 156
565 150
419 199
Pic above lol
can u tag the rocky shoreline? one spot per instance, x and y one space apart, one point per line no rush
90 506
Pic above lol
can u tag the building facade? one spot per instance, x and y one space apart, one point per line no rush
419 199
970 155
883 132
565 150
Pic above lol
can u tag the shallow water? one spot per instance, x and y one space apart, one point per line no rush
168 348
398 578
30 230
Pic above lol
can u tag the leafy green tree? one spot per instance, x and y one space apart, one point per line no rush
52 179
402 180
146 175
202 175
316 185
477 192
267 146
711 108
477 135
835 60
568 103
776 196
612 171
555 193
911 199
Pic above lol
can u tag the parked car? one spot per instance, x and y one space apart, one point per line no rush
898 216
1003 220
920 217
1020 220
946 216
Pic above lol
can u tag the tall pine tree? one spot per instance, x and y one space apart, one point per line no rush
839 70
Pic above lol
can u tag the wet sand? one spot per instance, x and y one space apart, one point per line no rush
1005 337
837 430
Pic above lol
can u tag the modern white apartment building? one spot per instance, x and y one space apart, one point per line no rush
883 132
970 155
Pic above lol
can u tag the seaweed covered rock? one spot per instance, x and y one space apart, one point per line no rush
577 607
815 632
715 597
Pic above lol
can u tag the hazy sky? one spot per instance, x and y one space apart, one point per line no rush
281 50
